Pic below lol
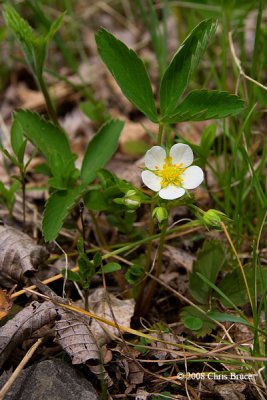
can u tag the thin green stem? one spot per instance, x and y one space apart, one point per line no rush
50 108
160 133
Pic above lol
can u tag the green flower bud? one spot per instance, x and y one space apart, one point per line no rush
132 200
161 213
213 218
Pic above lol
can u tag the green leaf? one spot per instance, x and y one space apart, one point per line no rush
16 136
226 317
100 149
54 27
94 111
201 105
210 261
233 286
95 201
129 72
57 209
97 259
34 47
134 274
197 321
110 267
44 135
207 138
192 323
72 276
183 64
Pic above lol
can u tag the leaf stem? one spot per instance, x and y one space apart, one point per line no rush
50 108
160 133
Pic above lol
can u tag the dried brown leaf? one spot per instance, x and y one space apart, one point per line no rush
77 338
120 310
19 256
5 303
74 335
23 326
162 350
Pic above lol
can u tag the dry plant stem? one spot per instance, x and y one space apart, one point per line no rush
146 296
196 350
106 256
239 262
23 185
117 274
86 291
238 64
5 389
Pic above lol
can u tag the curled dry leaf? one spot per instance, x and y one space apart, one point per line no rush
19 256
109 308
77 339
23 326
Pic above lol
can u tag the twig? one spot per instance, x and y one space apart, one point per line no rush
239 262
5 389
238 64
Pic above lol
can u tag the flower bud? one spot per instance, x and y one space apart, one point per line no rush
213 218
131 199
161 213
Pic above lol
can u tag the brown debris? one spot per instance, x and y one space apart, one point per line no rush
23 326
20 257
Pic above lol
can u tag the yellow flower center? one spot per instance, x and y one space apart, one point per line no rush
170 173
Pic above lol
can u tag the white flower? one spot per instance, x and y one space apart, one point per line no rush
168 174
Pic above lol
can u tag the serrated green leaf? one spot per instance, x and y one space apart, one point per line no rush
201 105
44 135
34 47
57 209
100 149
129 72
192 318
210 260
183 64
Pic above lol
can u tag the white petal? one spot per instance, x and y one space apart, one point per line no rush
192 177
155 157
151 180
171 192
181 153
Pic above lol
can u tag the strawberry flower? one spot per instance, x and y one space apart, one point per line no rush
170 174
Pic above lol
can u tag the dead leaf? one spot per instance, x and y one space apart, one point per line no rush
20 257
177 257
122 311
74 335
77 338
231 391
163 351
23 326
5 303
